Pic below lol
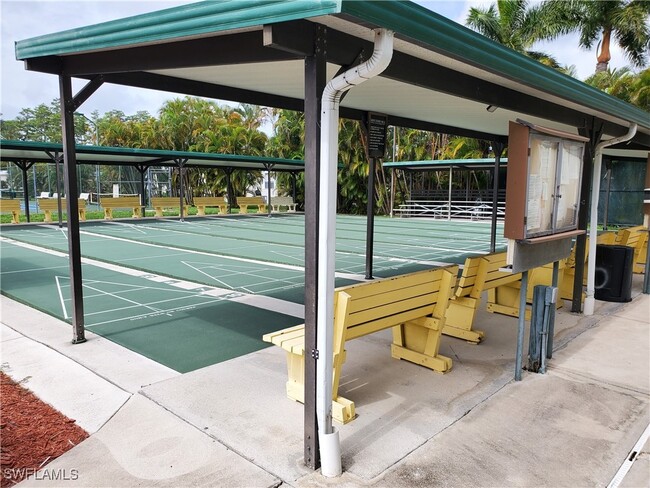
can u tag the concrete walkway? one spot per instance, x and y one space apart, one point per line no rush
231 424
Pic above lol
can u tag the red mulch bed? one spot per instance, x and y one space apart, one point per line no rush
32 433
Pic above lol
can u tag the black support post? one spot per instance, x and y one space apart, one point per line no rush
315 66
583 213
24 166
293 186
142 169
229 190
497 147
181 185
268 168
70 177
370 217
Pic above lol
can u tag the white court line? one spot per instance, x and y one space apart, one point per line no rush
58 287
257 301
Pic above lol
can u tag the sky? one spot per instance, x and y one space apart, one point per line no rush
23 19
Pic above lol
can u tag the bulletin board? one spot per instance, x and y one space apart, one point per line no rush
542 194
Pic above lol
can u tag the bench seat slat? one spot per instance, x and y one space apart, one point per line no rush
387 297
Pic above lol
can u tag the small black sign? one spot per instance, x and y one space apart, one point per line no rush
377 125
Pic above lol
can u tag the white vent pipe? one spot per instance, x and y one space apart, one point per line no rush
590 301
330 449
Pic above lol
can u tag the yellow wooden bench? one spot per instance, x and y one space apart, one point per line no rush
413 305
244 202
636 237
109 203
201 202
277 202
49 205
11 205
480 273
160 203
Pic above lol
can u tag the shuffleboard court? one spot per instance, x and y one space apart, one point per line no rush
181 292
246 276
180 325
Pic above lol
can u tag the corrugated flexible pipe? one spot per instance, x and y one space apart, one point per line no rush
330 449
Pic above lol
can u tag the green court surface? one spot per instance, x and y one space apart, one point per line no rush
184 329
168 289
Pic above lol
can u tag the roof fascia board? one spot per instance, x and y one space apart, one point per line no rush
197 19
419 25
242 48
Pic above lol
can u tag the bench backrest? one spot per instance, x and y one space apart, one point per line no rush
282 200
53 203
9 205
120 202
165 202
482 273
372 306
632 235
207 201
251 201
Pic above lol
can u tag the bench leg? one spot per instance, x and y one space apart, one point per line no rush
15 217
200 211
108 213
261 209
82 214
419 344
459 319
342 409
48 215
159 211
504 300
223 209
137 213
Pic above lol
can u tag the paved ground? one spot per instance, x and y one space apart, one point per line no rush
230 424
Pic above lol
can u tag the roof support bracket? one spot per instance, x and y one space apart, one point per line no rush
88 89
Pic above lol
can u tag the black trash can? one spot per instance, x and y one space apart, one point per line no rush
614 266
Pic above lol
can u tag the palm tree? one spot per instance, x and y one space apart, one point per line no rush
622 83
598 21
516 25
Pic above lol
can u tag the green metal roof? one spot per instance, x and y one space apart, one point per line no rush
37 151
481 163
190 20
411 22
